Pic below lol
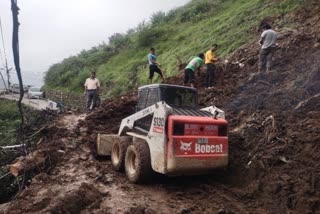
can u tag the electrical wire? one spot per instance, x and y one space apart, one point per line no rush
1 31
5 61
2 60
4 82
2 38
1 57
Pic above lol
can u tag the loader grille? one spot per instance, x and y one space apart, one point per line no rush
191 112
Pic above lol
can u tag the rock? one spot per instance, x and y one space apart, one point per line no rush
185 211
222 211
83 130
83 157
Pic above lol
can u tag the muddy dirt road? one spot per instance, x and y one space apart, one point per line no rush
80 182
274 140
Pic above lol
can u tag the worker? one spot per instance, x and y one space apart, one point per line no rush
210 59
154 65
193 66
267 42
59 106
91 91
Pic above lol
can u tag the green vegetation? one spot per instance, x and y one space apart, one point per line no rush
9 135
122 63
9 121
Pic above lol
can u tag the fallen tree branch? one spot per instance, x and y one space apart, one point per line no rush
12 147
37 132
5 175
27 163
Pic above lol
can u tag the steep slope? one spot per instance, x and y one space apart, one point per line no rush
274 144
183 32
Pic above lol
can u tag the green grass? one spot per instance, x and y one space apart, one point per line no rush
230 23
9 121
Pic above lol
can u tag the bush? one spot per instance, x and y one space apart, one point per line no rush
185 16
119 40
202 7
77 83
158 18
171 15
149 36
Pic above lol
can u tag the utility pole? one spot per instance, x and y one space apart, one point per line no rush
4 51
8 75
7 70
4 82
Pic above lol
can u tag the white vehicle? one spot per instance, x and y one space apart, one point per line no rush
170 135
15 88
34 92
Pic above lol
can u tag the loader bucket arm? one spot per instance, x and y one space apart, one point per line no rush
127 123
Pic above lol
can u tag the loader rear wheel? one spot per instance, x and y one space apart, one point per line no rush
118 153
138 163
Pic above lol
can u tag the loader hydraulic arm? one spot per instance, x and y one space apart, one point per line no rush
128 122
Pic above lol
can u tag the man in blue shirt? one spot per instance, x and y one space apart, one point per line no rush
153 65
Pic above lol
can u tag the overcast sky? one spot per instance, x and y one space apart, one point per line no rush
52 30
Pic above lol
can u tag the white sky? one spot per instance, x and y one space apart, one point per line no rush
52 30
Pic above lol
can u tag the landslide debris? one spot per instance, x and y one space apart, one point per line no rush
36 122
274 143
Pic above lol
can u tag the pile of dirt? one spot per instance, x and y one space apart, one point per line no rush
107 118
275 119
274 122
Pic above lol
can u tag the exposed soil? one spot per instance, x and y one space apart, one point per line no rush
274 140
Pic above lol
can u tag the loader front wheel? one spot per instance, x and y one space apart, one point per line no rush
138 163
118 153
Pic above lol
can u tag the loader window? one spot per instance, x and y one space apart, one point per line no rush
179 97
147 97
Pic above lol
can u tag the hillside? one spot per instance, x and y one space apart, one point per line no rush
183 32
273 136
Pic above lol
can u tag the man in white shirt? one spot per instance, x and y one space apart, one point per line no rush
91 90
267 42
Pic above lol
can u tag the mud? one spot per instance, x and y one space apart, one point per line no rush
274 139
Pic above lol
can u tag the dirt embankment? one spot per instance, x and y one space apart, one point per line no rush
274 143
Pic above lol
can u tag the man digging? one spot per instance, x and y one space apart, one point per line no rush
267 42
154 66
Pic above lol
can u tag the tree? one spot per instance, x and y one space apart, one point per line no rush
119 40
158 18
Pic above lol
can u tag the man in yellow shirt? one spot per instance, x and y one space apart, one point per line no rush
210 59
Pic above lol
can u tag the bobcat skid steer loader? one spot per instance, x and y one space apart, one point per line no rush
170 135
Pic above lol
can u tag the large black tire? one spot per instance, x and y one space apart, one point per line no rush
138 163
118 153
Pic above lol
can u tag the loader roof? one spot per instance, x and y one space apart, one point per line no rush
173 95
165 85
